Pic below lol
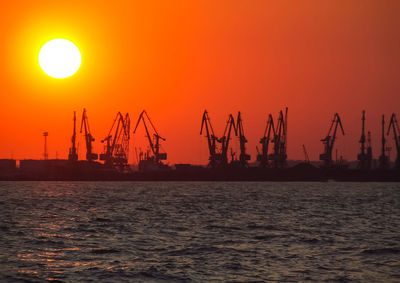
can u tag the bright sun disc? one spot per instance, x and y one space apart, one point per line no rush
59 58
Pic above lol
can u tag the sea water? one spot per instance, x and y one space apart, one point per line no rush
199 232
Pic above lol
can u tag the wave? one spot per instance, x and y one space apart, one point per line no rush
104 251
100 219
265 237
381 251
261 227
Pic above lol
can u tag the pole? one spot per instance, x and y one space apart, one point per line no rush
45 155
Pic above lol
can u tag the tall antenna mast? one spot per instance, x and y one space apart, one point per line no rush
45 155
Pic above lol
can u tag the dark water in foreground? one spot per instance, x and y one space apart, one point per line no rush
202 232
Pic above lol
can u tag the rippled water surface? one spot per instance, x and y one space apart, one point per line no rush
201 232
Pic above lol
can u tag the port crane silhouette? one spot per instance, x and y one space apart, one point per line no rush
279 156
383 159
89 139
243 157
394 126
217 158
117 143
73 155
264 141
365 156
157 156
212 140
226 139
329 141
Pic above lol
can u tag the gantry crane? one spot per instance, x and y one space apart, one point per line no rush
117 143
365 156
393 124
244 157
226 138
269 130
383 159
150 161
90 156
212 140
73 155
279 156
329 141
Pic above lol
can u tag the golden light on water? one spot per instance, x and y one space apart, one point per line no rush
59 58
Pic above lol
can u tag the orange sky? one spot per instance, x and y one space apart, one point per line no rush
176 59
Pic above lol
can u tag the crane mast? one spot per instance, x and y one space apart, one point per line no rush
383 159
279 156
226 138
393 124
154 145
269 129
329 141
73 155
117 143
284 144
274 157
244 157
365 156
362 139
124 152
214 158
90 156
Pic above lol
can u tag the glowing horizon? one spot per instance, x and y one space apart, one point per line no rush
175 60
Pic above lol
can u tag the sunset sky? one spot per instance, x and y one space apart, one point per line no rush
177 58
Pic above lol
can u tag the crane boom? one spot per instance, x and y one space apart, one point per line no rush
269 129
329 140
306 158
279 156
226 138
73 155
394 126
244 157
90 156
141 118
153 139
211 138
338 123
117 146
383 159
214 158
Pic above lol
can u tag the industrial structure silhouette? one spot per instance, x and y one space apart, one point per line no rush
271 160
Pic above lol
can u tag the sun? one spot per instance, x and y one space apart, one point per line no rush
59 58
